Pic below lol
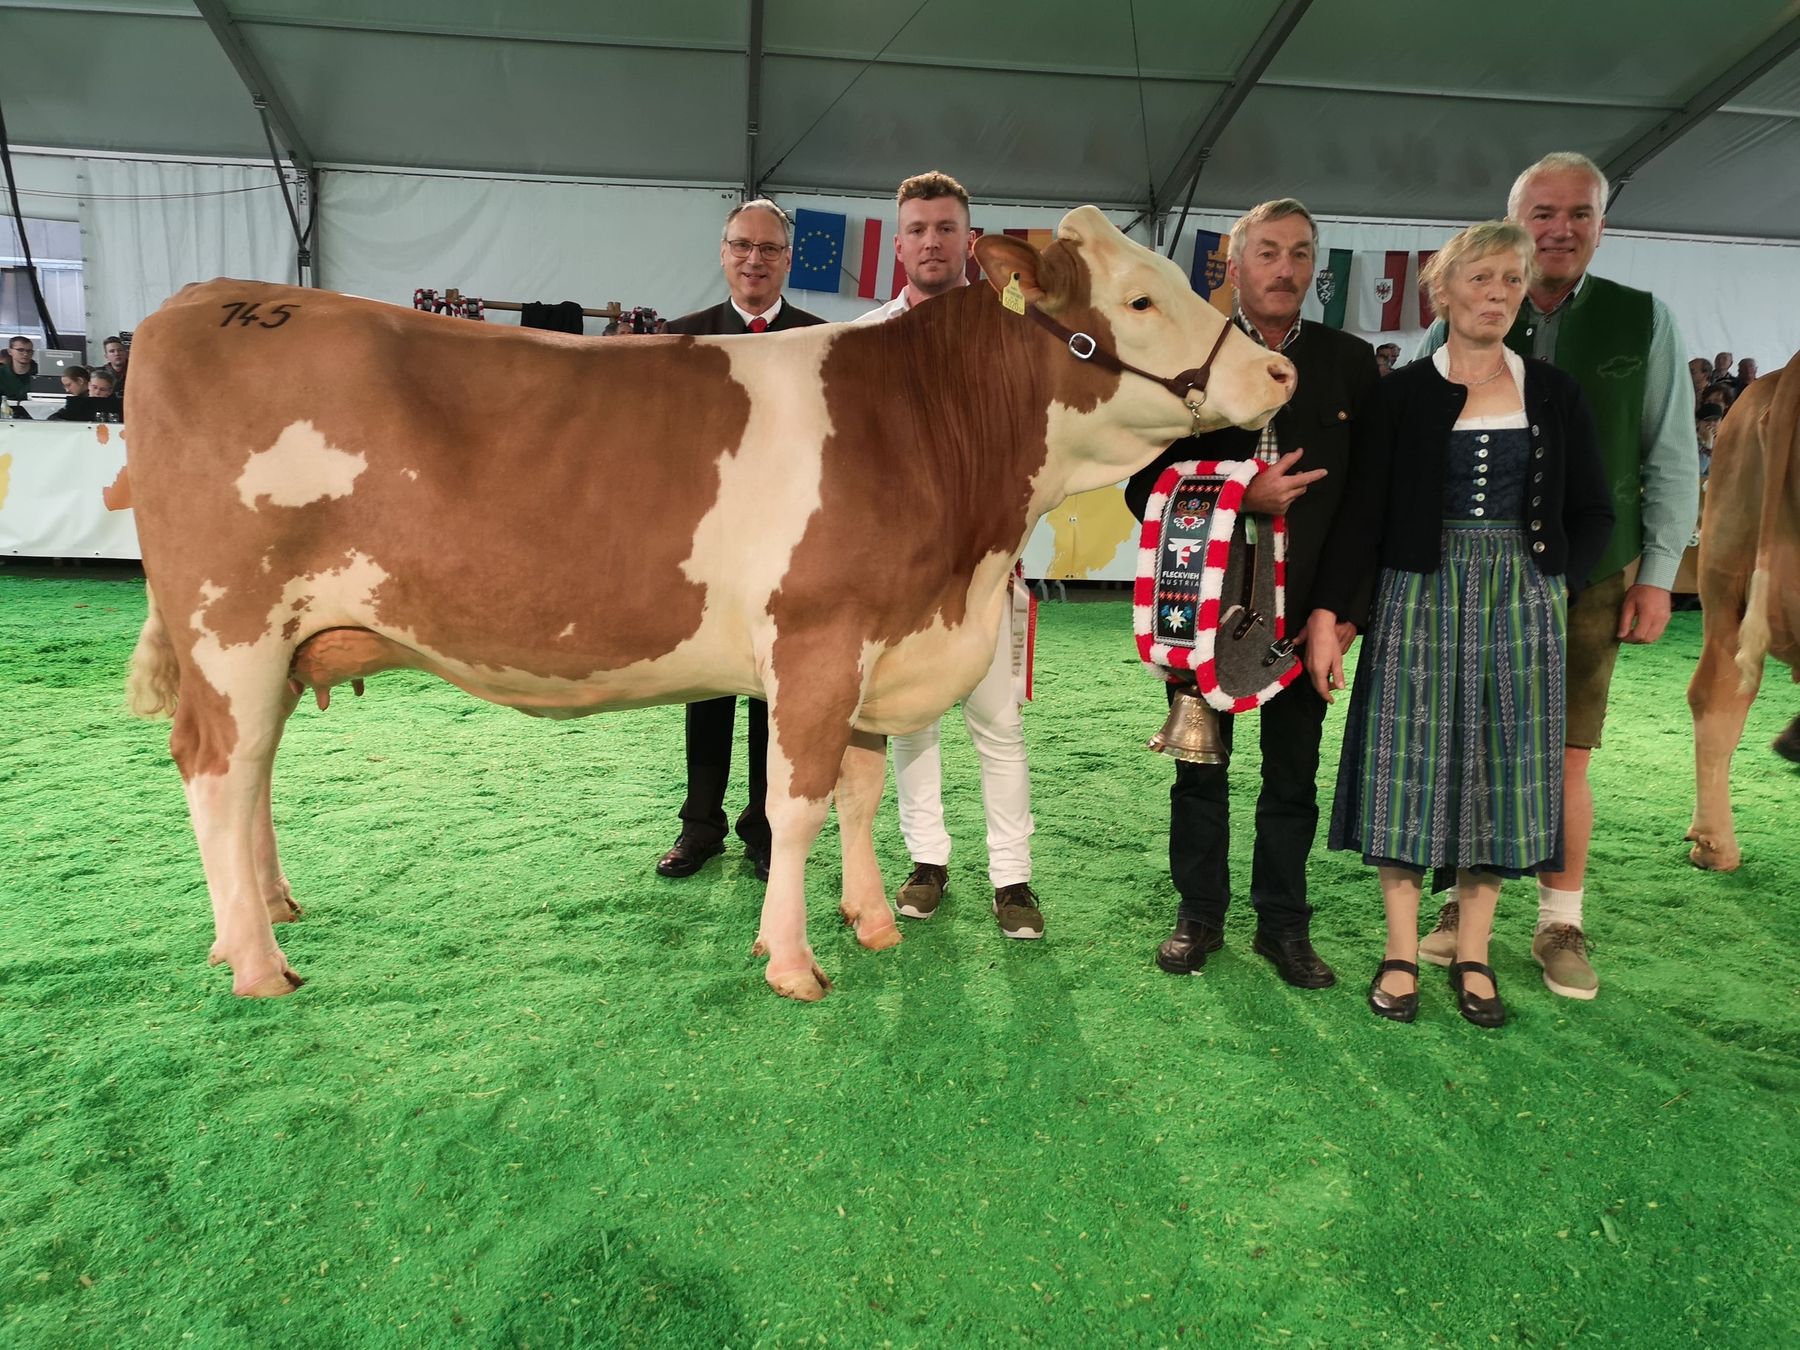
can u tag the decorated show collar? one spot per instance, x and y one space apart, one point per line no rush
1209 603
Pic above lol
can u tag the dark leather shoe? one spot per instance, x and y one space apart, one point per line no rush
687 857
1184 951
1395 1007
1483 1012
758 858
1294 960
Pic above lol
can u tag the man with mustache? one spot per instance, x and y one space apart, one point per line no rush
933 245
1310 449
1622 347
754 252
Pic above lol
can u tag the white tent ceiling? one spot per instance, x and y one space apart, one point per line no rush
1414 109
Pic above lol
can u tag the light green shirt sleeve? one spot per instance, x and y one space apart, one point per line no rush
1671 468
1435 336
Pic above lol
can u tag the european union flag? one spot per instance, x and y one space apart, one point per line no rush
818 250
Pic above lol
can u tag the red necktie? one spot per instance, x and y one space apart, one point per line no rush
759 324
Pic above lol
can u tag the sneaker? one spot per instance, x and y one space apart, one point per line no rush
919 897
1439 945
1561 949
1016 908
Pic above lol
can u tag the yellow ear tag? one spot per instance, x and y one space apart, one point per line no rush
1012 297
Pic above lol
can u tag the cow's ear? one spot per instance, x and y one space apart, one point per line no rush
1005 260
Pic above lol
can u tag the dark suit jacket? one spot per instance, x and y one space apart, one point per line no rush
1326 418
1395 513
723 321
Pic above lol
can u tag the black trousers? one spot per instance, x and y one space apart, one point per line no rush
1287 818
709 726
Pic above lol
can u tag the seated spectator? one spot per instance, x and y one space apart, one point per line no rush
78 406
1706 431
1700 369
75 381
1387 356
1721 392
1746 375
16 374
118 356
107 406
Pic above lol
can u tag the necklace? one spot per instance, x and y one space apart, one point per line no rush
1486 379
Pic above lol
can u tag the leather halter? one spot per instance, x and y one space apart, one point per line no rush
1083 347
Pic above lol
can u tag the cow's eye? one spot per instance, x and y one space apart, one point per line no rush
1141 304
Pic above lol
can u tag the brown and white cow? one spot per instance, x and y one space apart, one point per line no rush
1749 589
824 518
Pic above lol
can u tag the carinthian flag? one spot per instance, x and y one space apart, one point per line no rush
1379 280
1426 312
818 250
1331 287
1207 275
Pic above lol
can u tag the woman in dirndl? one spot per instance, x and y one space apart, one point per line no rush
1481 501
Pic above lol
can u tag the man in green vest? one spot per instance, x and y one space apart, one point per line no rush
1621 345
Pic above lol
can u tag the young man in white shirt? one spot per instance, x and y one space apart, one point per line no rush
933 245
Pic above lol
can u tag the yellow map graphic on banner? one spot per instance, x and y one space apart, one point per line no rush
5 477
1086 531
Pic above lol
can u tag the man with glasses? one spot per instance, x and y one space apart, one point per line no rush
16 374
754 252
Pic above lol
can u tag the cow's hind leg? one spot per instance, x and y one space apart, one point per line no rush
861 777
225 749
1719 707
278 896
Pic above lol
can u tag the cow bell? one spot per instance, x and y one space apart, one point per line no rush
1191 733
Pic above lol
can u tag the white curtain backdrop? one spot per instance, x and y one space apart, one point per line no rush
146 234
387 234
151 227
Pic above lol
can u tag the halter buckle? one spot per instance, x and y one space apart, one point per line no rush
1077 352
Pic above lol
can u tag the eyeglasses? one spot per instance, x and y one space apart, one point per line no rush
740 248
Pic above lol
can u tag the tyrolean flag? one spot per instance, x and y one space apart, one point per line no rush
1379 280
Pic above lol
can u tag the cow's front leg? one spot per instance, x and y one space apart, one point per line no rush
861 777
1719 709
225 750
794 822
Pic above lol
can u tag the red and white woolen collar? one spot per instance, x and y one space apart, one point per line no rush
1210 531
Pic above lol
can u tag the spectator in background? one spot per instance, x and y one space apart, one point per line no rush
105 404
118 355
77 407
1701 371
1721 367
1387 356
1706 431
1722 392
1746 375
16 373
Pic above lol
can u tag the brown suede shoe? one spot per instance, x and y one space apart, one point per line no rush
922 891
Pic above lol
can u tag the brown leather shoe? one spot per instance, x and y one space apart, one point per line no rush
687 857
1185 950
1294 960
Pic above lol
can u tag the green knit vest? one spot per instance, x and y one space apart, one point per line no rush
1603 340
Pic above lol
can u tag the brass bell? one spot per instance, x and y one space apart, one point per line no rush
1191 733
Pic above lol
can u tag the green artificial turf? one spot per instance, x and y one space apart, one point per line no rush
534 1095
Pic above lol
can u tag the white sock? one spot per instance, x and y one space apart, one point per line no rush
1558 907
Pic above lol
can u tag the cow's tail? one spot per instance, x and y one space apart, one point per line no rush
151 686
1778 429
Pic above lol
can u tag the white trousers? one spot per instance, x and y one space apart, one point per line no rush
998 734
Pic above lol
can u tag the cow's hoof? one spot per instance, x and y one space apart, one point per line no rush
272 985
876 931
283 909
1709 859
805 982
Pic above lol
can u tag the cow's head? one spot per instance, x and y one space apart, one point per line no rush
1140 307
